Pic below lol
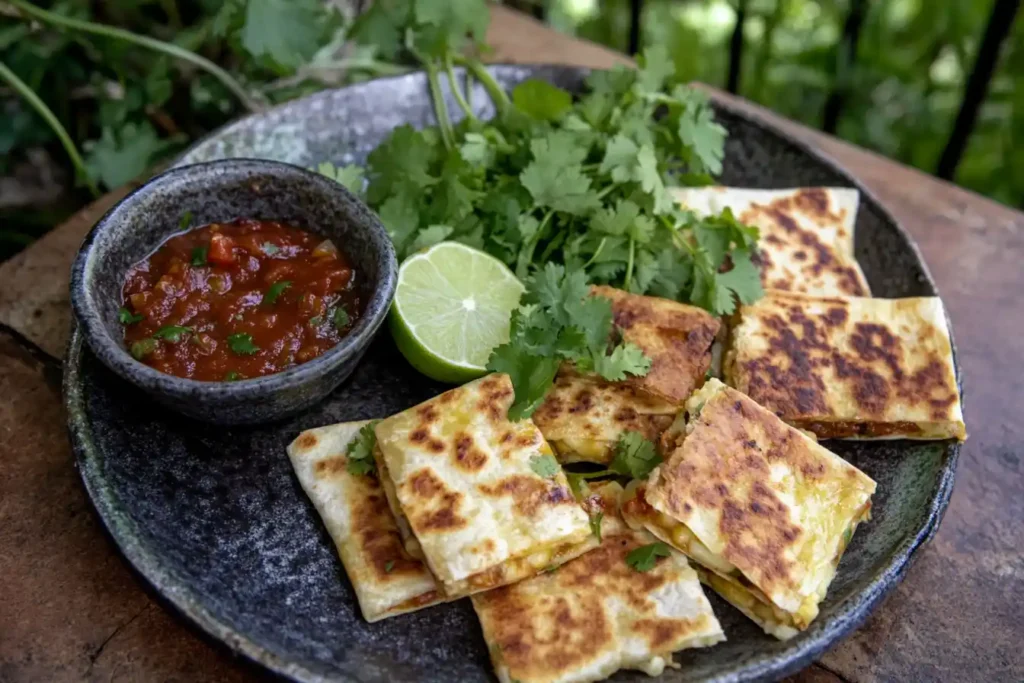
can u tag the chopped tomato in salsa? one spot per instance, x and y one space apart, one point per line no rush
237 300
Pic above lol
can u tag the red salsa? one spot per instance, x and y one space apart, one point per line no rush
231 301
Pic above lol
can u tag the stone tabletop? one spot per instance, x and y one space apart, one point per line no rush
70 609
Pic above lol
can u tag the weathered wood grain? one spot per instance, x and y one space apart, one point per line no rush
70 610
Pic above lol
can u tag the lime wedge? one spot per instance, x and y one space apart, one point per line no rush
452 307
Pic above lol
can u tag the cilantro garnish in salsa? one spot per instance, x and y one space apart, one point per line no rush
231 301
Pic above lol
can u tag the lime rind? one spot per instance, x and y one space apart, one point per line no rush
452 307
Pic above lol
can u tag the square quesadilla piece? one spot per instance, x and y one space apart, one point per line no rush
583 417
763 509
386 579
596 614
849 367
806 234
482 497
676 337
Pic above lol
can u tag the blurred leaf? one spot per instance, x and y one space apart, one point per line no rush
116 159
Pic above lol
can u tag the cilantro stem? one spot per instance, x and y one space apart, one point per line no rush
597 252
501 101
171 49
456 88
444 122
629 265
47 115
521 272
602 193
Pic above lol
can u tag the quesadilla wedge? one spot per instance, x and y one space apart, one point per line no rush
849 367
481 497
583 417
676 337
596 614
386 579
806 234
763 509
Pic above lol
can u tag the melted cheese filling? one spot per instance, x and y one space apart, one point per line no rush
729 582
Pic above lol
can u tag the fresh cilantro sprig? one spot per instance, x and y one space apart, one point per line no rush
360 450
560 321
644 558
581 182
635 457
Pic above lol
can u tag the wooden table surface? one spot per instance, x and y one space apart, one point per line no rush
71 610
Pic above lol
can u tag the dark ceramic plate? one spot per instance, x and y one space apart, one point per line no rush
215 520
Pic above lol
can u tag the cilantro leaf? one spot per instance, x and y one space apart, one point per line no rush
360 449
625 359
595 525
269 248
285 32
655 68
199 256
242 344
126 317
233 376
430 236
635 456
185 221
401 217
340 317
388 566
559 320
541 100
699 132
545 466
172 333
274 292
643 559
142 348
351 176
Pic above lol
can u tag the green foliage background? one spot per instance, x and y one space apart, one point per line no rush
128 108
905 86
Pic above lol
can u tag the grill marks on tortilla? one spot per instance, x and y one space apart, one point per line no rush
806 260
676 337
583 417
386 578
806 234
479 512
760 495
849 360
721 467
596 614
438 508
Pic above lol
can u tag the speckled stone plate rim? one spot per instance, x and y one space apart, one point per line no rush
123 531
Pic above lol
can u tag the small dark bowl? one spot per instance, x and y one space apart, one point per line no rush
221 191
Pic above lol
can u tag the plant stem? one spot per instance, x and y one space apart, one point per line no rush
501 101
526 256
33 100
322 72
440 106
629 264
170 49
457 89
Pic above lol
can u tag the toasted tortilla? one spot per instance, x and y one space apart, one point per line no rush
764 509
595 614
386 579
465 483
806 234
583 417
676 337
849 367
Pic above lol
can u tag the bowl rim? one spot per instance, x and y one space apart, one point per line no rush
118 359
